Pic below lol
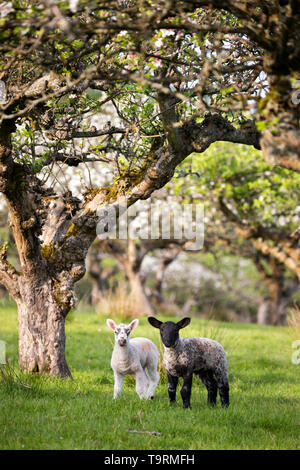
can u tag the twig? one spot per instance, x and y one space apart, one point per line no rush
143 431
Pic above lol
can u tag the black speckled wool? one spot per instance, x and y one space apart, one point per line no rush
184 357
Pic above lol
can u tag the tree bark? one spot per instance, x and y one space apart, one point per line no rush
41 324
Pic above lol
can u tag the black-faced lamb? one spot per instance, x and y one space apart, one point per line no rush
184 357
134 356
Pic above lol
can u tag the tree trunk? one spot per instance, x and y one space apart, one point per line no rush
275 290
99 276
44 295
41 322
273 309
264 312
142 305
97 292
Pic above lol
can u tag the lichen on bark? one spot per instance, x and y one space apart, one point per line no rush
47 250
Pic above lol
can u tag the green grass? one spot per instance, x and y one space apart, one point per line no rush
56 414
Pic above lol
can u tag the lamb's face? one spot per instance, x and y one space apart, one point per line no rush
121 331
169 331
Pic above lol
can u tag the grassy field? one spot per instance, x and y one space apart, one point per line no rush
55 414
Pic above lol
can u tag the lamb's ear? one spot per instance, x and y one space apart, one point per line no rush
154 322
134 324
184 322
111 324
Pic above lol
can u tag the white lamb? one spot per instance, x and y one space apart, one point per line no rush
133 357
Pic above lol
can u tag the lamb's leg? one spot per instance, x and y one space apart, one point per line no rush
224 394
141 383
186 390
119 379
223 386
153 381
211 385
147 384
172 385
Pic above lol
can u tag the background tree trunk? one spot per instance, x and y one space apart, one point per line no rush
99 275
274 308
97 292
142 305
264 312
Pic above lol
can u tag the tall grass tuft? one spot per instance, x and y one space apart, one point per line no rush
12 379
117 304
294 319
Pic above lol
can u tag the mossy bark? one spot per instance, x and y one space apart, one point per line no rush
41 324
